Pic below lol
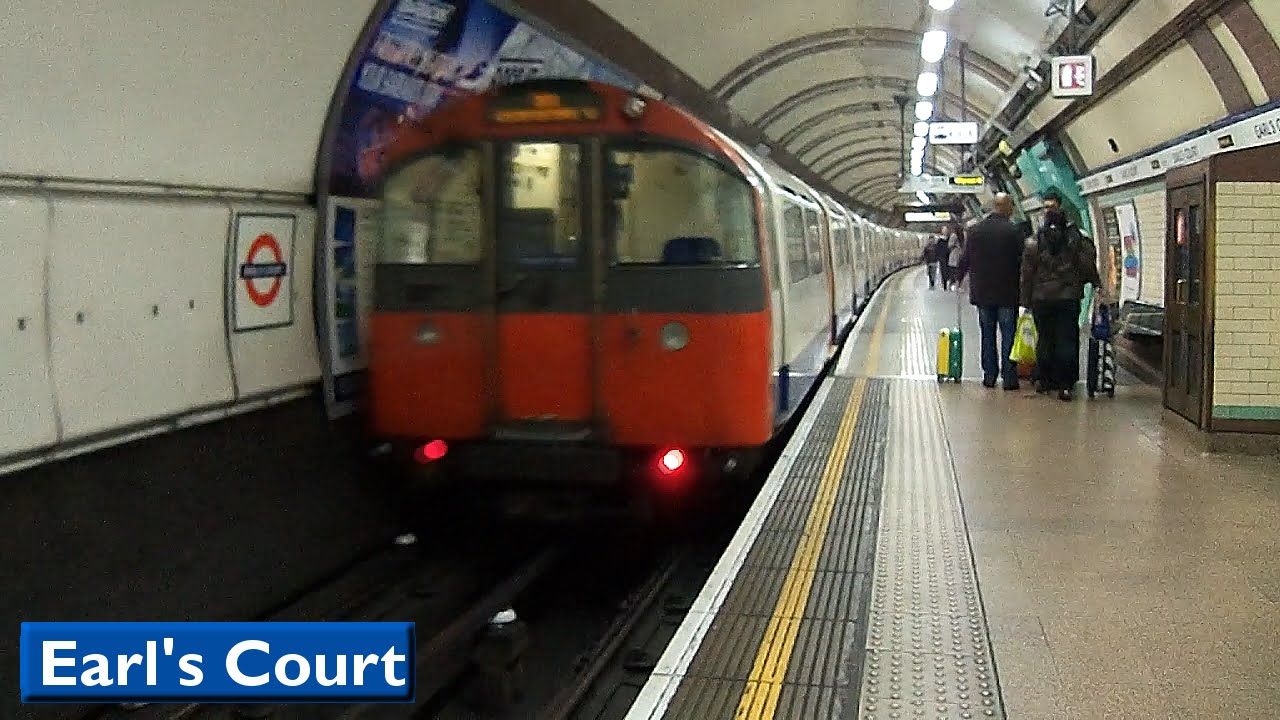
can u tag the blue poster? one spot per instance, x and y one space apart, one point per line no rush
428 51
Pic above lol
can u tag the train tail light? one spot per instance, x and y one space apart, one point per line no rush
431 452
671 461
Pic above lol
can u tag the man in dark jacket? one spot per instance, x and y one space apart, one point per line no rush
992 259
1056 266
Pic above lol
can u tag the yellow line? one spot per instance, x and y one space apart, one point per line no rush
764 685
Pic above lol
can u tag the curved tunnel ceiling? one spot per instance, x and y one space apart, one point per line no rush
821 83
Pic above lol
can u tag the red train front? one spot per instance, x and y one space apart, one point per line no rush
569 291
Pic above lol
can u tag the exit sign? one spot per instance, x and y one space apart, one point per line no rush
1073 76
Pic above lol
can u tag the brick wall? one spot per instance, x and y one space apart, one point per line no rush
1246 352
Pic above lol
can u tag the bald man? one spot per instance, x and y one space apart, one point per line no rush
993 261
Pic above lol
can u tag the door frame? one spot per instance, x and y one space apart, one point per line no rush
1179 179
592 258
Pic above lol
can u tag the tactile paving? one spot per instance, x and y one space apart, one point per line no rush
823 673
928 648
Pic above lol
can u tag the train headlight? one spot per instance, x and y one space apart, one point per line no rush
674 336
428 334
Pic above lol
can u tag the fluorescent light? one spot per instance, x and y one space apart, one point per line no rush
923 198
927 84
922 129
933 45
917 156
917 171
918 143
941 4
924 110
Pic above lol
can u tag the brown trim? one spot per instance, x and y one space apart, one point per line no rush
841 165
813 121
863 184
844 131
855 143
832 87
1161 42
1261 49
1226 78
596 32
788 51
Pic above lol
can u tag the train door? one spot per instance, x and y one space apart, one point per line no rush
1184 302
543 275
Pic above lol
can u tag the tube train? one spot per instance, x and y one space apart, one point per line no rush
580 289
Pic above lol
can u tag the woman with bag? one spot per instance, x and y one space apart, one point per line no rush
1056 266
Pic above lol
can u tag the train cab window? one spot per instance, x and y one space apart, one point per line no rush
432 211
793 227
539 204
813 241
672 207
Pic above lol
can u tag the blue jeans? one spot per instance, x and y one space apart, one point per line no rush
1006 318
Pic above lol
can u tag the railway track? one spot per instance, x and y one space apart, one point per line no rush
451 594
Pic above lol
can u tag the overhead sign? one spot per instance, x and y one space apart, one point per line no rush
262 292
953 133
555 104
942 184
927 217
1073 76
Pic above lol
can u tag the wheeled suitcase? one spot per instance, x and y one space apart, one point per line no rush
1100 371
951 350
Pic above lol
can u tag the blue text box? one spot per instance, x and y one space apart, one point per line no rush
286 662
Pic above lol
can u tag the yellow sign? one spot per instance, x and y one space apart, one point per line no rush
968 180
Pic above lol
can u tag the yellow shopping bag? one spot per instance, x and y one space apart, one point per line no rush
1024 341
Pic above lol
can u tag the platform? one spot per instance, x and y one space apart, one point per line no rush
952 551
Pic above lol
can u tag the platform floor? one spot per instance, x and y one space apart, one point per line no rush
950 551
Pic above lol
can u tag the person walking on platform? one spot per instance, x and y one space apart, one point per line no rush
940 257
1056 266
955 249
930 259
993 259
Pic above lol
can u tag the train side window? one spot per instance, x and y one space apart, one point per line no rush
813 241
840 238
674 207
793 227
432 210
539 204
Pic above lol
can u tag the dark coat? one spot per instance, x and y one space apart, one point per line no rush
993 260
1049 277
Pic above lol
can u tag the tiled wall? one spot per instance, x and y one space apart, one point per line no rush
1150 209
1246 352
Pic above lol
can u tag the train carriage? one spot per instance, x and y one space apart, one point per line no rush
577 287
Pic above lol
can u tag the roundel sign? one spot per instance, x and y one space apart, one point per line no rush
262 291
265 264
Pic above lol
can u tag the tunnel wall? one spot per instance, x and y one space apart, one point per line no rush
129 311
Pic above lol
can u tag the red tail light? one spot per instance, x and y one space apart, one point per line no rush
431 452
671 461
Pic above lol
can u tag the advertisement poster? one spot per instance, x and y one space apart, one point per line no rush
352 233
423 53
428 51
1131 252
